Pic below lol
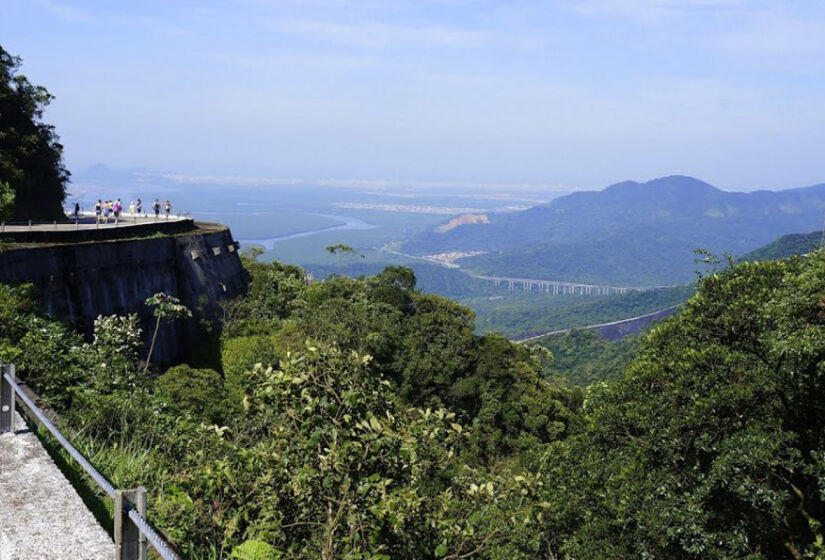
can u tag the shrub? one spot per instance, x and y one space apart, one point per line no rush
199 392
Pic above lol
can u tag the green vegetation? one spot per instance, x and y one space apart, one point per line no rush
711 445
518 313
629 234
582 357
341 250
361 418
786 246
31 158
164 308
354 418
6 201
524 313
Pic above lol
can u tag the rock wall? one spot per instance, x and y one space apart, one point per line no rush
77 282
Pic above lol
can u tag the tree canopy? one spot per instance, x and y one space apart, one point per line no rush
363 419
712 444
31 156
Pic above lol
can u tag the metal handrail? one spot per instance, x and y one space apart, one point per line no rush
158 543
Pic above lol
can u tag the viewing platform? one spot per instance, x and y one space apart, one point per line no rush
86 227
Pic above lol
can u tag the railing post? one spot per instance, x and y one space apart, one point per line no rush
130 543
141 505
6 399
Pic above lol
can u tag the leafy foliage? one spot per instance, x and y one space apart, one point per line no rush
582 357
114 353
531 313
6 201
254 550
786 246
197 392
164 308
711 446
362 419
31 157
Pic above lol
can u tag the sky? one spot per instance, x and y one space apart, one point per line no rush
577 94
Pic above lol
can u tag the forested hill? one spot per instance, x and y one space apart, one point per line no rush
630 233
786 246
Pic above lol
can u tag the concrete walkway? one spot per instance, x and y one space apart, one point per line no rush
41 515
88 220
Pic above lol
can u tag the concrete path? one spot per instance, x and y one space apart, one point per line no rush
87 220
41 515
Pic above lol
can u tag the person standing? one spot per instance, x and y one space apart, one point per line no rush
117 207
98 209
139 206
168 208
156 208
76 211
133 211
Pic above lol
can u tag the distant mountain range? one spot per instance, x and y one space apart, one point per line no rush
629 233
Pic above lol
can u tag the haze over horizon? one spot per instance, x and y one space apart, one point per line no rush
581 94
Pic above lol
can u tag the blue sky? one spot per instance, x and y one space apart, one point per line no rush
556 92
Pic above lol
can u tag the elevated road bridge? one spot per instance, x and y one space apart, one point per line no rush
556 287
561 287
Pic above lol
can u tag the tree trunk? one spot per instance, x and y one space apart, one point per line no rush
152 346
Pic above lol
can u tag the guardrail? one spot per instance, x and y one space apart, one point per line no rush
132 531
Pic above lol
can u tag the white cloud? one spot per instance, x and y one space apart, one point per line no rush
773 32
292 62
368 34
64 11
652 11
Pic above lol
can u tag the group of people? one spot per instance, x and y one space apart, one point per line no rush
104 210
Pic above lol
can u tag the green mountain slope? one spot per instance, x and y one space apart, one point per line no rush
786 246
629 233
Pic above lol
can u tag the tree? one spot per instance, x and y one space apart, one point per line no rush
333 465
712 445
6 201
114 353
341 249
31 157
165 308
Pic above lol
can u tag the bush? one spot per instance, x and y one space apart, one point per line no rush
242 353
199 392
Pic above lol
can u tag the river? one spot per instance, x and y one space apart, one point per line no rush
349 224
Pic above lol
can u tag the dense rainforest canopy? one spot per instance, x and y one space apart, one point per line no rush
32 176
360 418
